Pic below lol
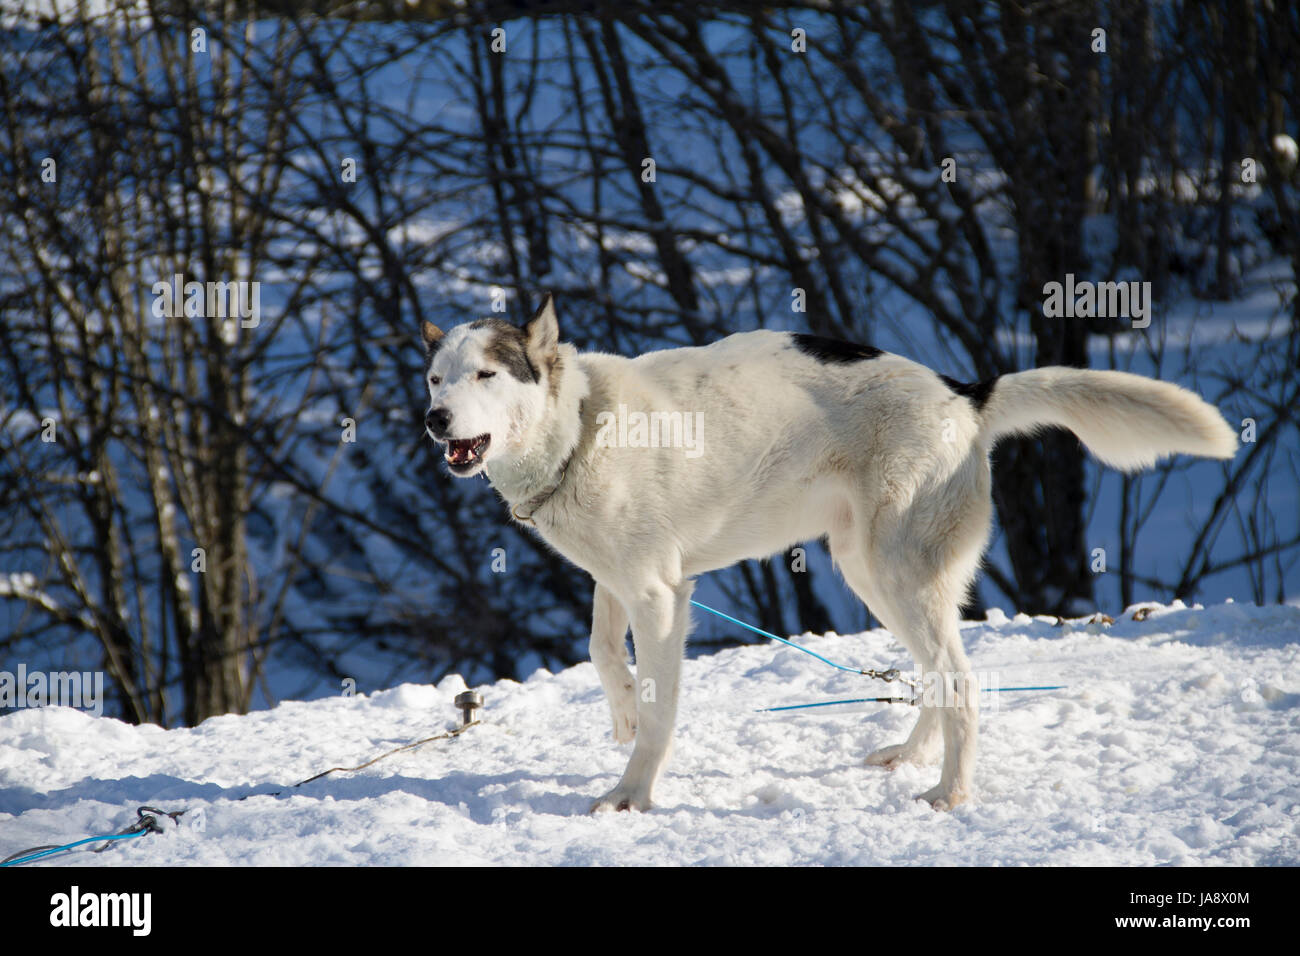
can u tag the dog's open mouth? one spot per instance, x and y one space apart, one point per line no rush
464 453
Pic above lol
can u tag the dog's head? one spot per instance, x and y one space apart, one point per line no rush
488 385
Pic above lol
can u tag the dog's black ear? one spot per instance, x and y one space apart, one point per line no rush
543 334
431 335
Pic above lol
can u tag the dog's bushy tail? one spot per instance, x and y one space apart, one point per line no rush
1127 421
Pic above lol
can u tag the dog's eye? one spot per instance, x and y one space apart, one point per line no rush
486 374
434 380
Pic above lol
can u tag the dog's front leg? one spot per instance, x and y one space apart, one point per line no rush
609 653
660 616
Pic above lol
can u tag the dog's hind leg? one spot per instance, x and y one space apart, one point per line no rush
660 616
609 653
925 742
917 565
948 691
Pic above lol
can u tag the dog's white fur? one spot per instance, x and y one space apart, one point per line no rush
878 455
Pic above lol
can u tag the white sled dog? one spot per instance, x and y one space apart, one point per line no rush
776 438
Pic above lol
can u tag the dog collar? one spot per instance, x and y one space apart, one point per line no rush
544 497
539 500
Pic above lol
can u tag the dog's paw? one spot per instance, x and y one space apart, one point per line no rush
622 799
944 798
891 758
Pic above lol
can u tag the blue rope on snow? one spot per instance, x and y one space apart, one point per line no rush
147 823
842 667
69 846
798 647
831 703
894 700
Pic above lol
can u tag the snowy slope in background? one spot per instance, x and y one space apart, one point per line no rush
1177 741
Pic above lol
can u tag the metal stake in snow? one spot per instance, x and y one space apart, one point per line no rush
468 702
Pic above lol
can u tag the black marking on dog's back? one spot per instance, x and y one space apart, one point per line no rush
833 350
977 392
508 347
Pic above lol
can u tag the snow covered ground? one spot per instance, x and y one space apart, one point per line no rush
1177 741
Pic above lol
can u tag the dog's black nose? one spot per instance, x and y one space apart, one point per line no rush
437 420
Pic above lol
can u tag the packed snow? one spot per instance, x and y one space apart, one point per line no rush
1175 741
